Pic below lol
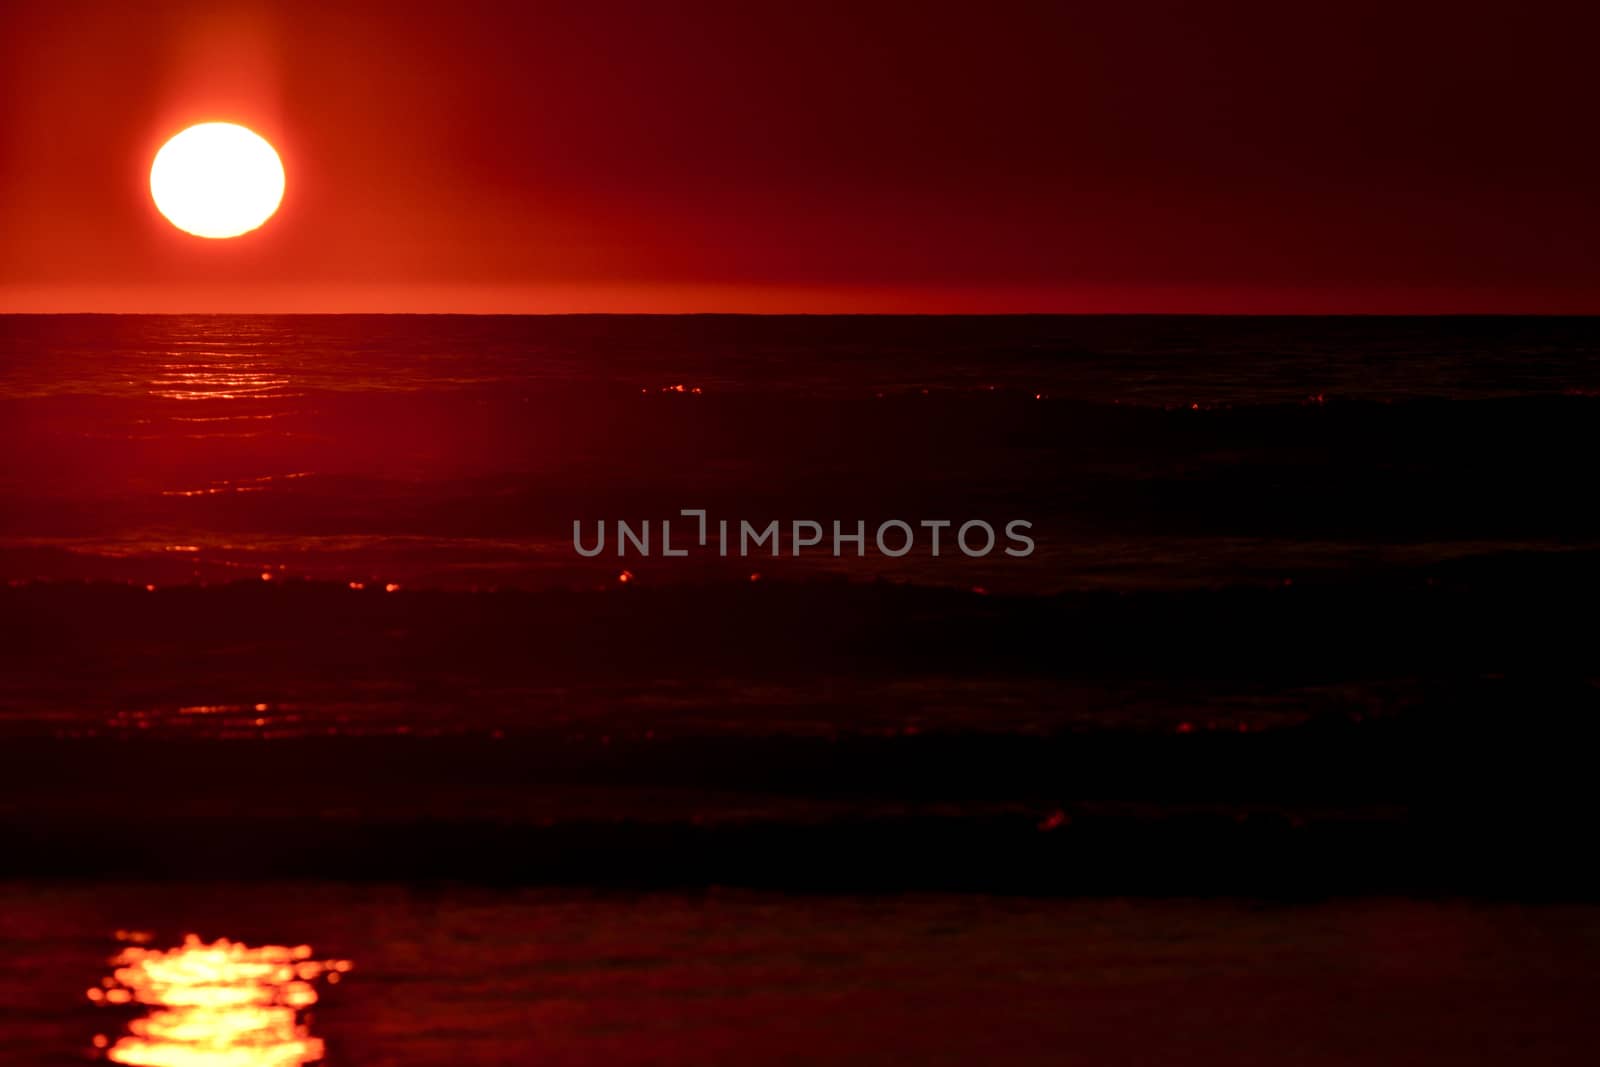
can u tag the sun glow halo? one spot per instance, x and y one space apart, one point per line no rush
217 179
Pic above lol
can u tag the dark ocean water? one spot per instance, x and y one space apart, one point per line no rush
294 630
312 488
458 451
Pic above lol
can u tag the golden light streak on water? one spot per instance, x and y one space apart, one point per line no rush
225 1004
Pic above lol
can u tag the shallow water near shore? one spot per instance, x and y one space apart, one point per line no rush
452 975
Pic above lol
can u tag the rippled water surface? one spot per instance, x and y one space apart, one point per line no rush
453 976
459 451
321 743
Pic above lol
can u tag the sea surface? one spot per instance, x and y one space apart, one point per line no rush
1283 712
457 451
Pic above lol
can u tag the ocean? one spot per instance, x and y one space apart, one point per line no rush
1252 675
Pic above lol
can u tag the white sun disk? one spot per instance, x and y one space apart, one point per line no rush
217 180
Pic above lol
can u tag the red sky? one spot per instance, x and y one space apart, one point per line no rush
1157 156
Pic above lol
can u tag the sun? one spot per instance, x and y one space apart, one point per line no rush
217 180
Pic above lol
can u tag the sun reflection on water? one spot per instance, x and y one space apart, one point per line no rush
219 1005
225 375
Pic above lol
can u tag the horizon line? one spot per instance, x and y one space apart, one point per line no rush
824 314
1352 299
